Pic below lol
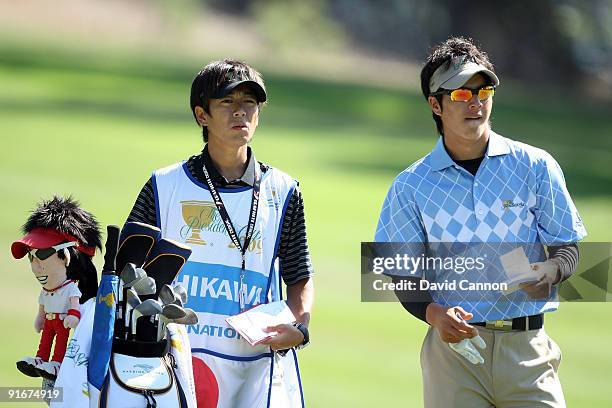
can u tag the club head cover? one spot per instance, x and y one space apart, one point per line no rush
135 243
166 260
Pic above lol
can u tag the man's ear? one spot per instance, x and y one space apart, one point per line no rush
200 115
436 107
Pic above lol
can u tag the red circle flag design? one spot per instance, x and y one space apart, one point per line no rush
207 388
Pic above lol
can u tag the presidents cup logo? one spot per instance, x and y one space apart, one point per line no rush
510 204
256 244
198 216
203 216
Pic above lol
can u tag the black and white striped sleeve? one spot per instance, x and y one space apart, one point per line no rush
566 256
293 253
144 208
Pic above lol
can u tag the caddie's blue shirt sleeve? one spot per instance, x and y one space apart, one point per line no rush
557 217
400 220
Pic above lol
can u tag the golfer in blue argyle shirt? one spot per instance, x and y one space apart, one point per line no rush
479 188
517 195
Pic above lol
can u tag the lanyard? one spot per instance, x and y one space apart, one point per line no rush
231 231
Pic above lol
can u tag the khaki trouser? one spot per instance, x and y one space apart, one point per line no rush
520 370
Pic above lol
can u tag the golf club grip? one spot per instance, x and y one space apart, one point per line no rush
112 244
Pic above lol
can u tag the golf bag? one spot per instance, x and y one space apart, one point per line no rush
145 367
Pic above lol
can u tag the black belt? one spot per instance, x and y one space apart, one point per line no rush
534 322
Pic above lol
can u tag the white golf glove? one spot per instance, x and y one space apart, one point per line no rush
468 351
548 270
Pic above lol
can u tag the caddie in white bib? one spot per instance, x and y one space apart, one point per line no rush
236 373
245 224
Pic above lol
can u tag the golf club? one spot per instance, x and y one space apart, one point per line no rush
149 307
173 311
169 312
181 292
145 286
189 318
132 302
167 295
129 275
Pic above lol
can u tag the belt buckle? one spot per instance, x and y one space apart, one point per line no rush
503 325
50 316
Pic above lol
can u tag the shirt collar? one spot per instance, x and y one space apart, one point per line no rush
440 159
497 145
247 178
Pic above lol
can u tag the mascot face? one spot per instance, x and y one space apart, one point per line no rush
50 272
60 240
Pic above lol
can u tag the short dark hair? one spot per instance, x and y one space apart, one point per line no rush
212 77
443 52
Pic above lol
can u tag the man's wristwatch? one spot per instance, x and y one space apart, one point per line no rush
302 327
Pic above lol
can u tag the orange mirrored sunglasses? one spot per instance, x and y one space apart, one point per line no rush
465 94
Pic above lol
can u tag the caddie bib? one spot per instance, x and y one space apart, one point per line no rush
235 374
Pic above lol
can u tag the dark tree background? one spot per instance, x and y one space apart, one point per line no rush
544 40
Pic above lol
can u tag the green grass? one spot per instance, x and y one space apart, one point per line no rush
96 129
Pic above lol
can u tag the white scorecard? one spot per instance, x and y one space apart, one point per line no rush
518 269
251 323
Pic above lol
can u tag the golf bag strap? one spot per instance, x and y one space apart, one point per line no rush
179 386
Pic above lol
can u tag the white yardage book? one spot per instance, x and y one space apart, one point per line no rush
251 323
518 269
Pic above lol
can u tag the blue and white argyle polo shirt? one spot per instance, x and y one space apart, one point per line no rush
518 195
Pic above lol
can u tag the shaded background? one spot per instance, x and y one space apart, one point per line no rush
94 96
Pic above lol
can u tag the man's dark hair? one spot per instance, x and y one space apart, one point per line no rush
443 52
213 77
